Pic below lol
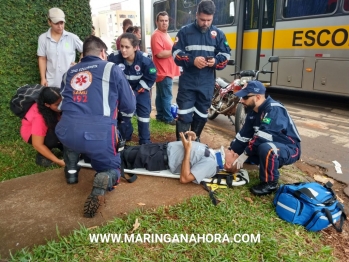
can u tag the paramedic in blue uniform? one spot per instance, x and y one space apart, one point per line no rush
269 137
140 72
200 48
93 92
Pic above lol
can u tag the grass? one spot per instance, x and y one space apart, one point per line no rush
238 213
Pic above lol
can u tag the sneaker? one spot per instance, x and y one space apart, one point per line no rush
264 188
43 161
172 123
93 201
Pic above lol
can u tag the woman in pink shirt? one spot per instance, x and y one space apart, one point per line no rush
38 127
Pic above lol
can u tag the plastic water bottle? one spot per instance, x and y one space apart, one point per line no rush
174 109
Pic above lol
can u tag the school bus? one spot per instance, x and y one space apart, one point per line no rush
311 38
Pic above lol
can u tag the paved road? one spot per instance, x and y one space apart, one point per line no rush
322 123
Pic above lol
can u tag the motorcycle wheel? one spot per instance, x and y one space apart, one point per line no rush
212 114
240 117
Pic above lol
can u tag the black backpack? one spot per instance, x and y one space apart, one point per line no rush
24 98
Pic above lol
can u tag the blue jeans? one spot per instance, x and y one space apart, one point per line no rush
163 100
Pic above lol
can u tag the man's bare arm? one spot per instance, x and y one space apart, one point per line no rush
164 54
186 176
42 61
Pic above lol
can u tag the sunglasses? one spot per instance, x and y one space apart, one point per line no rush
246 97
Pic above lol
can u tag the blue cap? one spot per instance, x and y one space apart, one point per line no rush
252 87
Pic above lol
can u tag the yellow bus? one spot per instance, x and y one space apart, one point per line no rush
311 38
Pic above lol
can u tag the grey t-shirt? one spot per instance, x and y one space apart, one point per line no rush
201 166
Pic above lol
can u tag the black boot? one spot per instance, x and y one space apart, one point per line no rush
96 197
197 127
71 169
181 127
264 188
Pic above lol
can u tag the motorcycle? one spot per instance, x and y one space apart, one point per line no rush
224 100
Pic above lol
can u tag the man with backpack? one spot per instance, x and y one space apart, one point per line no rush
269 137
94 91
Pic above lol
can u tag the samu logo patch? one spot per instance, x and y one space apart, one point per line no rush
266 120
226 43
152 70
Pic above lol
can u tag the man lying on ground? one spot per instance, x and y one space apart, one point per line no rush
193 160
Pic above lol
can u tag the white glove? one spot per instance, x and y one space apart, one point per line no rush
240 160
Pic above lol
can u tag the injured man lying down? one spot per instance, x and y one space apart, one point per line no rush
194 161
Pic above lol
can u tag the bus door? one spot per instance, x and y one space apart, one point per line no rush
255 35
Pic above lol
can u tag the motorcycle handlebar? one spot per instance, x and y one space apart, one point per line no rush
257 72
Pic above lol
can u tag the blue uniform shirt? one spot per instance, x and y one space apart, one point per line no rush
142 72
271 123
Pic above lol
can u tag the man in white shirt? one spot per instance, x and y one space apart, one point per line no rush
56 49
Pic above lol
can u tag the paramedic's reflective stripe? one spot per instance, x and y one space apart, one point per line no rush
190 110
133 77
242 139
274 148
227 56
286 207
199 48
289 118
143 119
185 111
175 53
127 115
105 88
144 85
64 80
200 114
264 135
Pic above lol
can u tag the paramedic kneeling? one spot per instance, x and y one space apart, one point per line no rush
269 137
93 92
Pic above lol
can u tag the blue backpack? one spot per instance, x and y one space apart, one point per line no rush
309 204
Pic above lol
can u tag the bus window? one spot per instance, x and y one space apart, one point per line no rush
346 5
298 8
169 7
186 12
252 14
223 13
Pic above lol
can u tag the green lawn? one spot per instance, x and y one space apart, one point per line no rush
239 213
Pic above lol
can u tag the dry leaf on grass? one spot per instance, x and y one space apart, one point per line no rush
89 228
323 179
248 199
135 225
141 204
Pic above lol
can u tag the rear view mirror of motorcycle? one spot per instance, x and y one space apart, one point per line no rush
231 62
273 59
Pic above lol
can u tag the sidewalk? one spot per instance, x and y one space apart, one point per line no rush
33 206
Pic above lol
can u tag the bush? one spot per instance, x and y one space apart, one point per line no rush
22 21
